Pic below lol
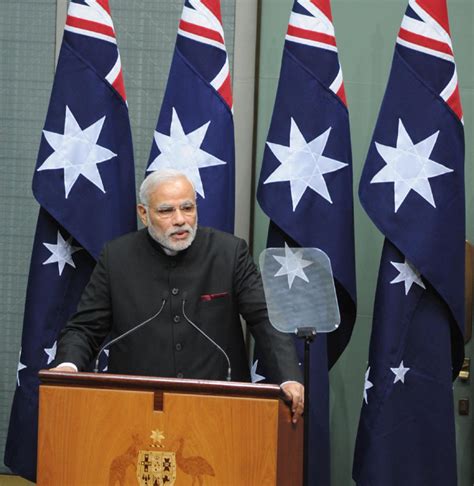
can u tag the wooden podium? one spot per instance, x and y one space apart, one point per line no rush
117 430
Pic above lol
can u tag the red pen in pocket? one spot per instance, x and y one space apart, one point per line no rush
209 297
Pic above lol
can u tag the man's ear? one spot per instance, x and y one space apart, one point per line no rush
142 214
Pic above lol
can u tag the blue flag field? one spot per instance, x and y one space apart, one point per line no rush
84 182
305 187
195 129
412 188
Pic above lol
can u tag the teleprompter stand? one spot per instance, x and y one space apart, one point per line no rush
308 334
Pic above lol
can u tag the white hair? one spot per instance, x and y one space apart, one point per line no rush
153 180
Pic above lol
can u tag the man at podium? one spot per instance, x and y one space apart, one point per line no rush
187 285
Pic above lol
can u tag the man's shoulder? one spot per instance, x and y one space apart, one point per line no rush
127 241
217 237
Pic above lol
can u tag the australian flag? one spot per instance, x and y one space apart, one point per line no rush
305 186
195 129
412 187
84 183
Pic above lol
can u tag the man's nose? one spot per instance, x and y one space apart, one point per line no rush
178 217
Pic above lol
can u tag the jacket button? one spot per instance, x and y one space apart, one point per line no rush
175 291
180 375
176 319
178 347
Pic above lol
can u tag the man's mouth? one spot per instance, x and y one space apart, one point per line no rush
180 235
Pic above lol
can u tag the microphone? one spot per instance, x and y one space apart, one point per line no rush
133 329
229 371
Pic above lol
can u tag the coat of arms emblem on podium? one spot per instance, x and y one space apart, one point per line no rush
156 468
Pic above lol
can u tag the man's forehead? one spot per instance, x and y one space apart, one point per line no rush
184 202
177 190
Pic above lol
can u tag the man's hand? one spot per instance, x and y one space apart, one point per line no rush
294 394
65 369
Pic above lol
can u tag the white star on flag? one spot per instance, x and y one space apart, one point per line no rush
367 384
76 151
292 265
400 373
20 367
182 151
409 166
61 253
255 377
408 274
303 164
51 352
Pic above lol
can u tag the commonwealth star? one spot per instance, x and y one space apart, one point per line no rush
409 167
303 164
76 152
182 151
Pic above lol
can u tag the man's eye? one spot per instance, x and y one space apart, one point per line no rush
187 209
165 211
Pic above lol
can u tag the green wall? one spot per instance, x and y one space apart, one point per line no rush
366 33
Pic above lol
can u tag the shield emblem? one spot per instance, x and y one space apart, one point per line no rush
156 468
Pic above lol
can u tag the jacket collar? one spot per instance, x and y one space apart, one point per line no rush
181 254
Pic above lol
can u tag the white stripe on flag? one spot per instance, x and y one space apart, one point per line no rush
89 33
115 71
90 13
219 80
450 87
209 19
200 38
311 43
431 21
315 11
425 50
336 84
316 24
425 29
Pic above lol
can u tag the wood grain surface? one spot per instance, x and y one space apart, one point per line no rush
92 436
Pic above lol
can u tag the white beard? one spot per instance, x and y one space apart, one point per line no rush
164 239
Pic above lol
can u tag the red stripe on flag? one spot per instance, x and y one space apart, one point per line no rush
90 26
215 7
454 102
119 85
425 41
311 35
105 5
438 9
226 91
202 31
341 92
324 6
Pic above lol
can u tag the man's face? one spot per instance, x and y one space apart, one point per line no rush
171 215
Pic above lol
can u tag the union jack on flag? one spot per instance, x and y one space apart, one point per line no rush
412 187
195 129
305 186
93 19
84 183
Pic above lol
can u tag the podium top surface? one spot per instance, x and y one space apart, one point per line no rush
149 383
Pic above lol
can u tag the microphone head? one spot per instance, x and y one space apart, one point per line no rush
185 295
164 295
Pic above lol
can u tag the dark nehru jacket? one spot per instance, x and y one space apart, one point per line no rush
220 280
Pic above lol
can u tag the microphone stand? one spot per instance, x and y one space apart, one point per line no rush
229 369
308 334
130 331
